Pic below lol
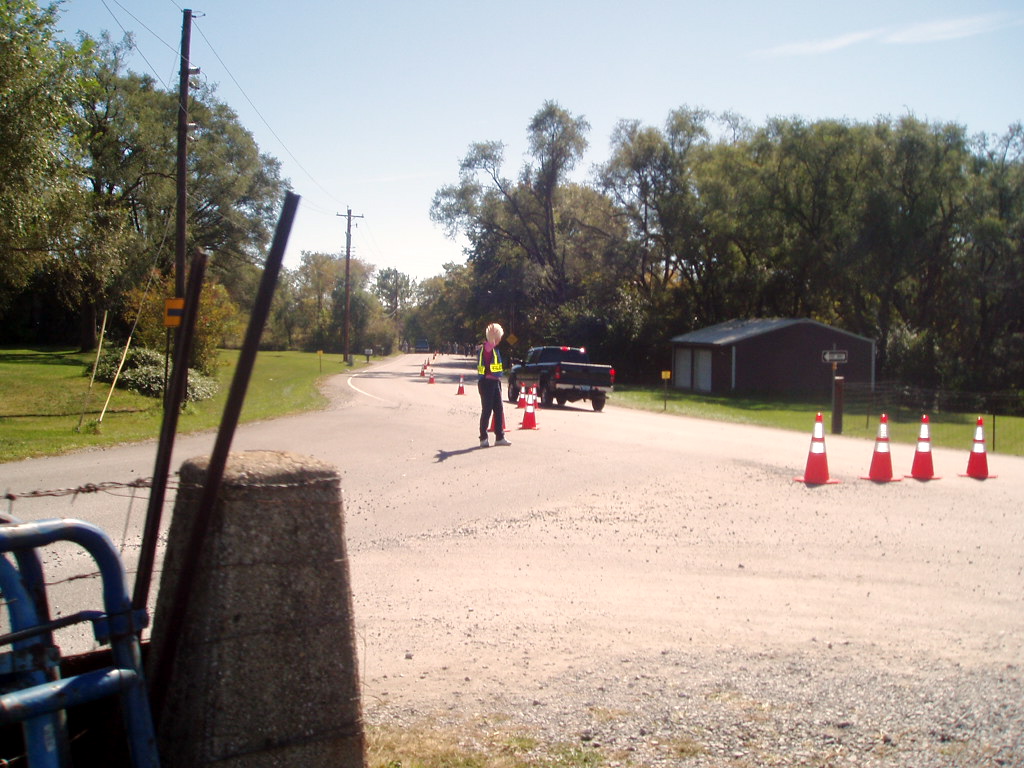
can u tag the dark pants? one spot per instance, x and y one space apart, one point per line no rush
490 402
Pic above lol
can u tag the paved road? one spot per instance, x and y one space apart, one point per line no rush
599 532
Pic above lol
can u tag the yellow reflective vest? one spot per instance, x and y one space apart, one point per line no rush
495 367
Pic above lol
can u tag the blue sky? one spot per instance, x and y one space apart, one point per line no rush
371 105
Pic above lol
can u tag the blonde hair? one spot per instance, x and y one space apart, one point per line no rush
494 333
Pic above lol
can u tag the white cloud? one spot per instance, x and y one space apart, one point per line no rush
950 29
815 47
911 34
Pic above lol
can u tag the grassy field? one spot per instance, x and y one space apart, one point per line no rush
1003 434
48 408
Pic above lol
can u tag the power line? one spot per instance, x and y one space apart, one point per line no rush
261 117
229 73
135 45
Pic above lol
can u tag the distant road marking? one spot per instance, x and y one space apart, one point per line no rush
363 391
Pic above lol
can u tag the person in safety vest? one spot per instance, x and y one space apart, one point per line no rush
489 369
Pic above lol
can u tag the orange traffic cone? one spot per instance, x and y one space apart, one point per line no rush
462 386
503 423
881 459
530 418
536 397
431 376
816 472
423 371
922 467
977 464
522 398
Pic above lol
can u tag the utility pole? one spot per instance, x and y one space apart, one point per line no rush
182 166
348 291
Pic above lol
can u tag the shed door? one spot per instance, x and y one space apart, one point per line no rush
702 370
684 368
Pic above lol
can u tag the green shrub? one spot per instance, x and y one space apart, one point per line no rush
137 357
146 380
199 387
143 372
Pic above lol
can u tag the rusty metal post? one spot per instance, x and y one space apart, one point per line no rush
265 669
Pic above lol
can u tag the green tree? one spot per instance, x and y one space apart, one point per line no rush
235 193
681 268
39 77
364 310
317 279
283 323
900 230
127 186
123 224
395 290
991 335
523 219
913 194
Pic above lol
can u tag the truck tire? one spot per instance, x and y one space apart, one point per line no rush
513 391
598 402
547 396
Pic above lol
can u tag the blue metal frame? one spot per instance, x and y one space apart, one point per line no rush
40 696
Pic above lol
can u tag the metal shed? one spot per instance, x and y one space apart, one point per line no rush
775 356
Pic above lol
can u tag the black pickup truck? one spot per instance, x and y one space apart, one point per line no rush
561 374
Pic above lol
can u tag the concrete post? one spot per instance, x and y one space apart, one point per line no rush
265 673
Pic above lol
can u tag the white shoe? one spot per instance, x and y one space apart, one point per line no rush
484 443
503 441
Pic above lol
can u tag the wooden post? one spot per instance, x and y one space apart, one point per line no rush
837 404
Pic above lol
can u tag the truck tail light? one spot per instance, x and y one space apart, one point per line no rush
558 371
613 375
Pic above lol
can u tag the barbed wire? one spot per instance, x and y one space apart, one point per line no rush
146 482
104 487
113 488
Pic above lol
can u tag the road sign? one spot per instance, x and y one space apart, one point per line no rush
173 311
834 356
666 375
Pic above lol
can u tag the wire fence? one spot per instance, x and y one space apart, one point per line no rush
953 415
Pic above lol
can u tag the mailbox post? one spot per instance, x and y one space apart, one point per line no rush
836 357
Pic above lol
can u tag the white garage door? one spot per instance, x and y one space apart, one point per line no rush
702 377
684 368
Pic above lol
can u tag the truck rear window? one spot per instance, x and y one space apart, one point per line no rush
563 356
